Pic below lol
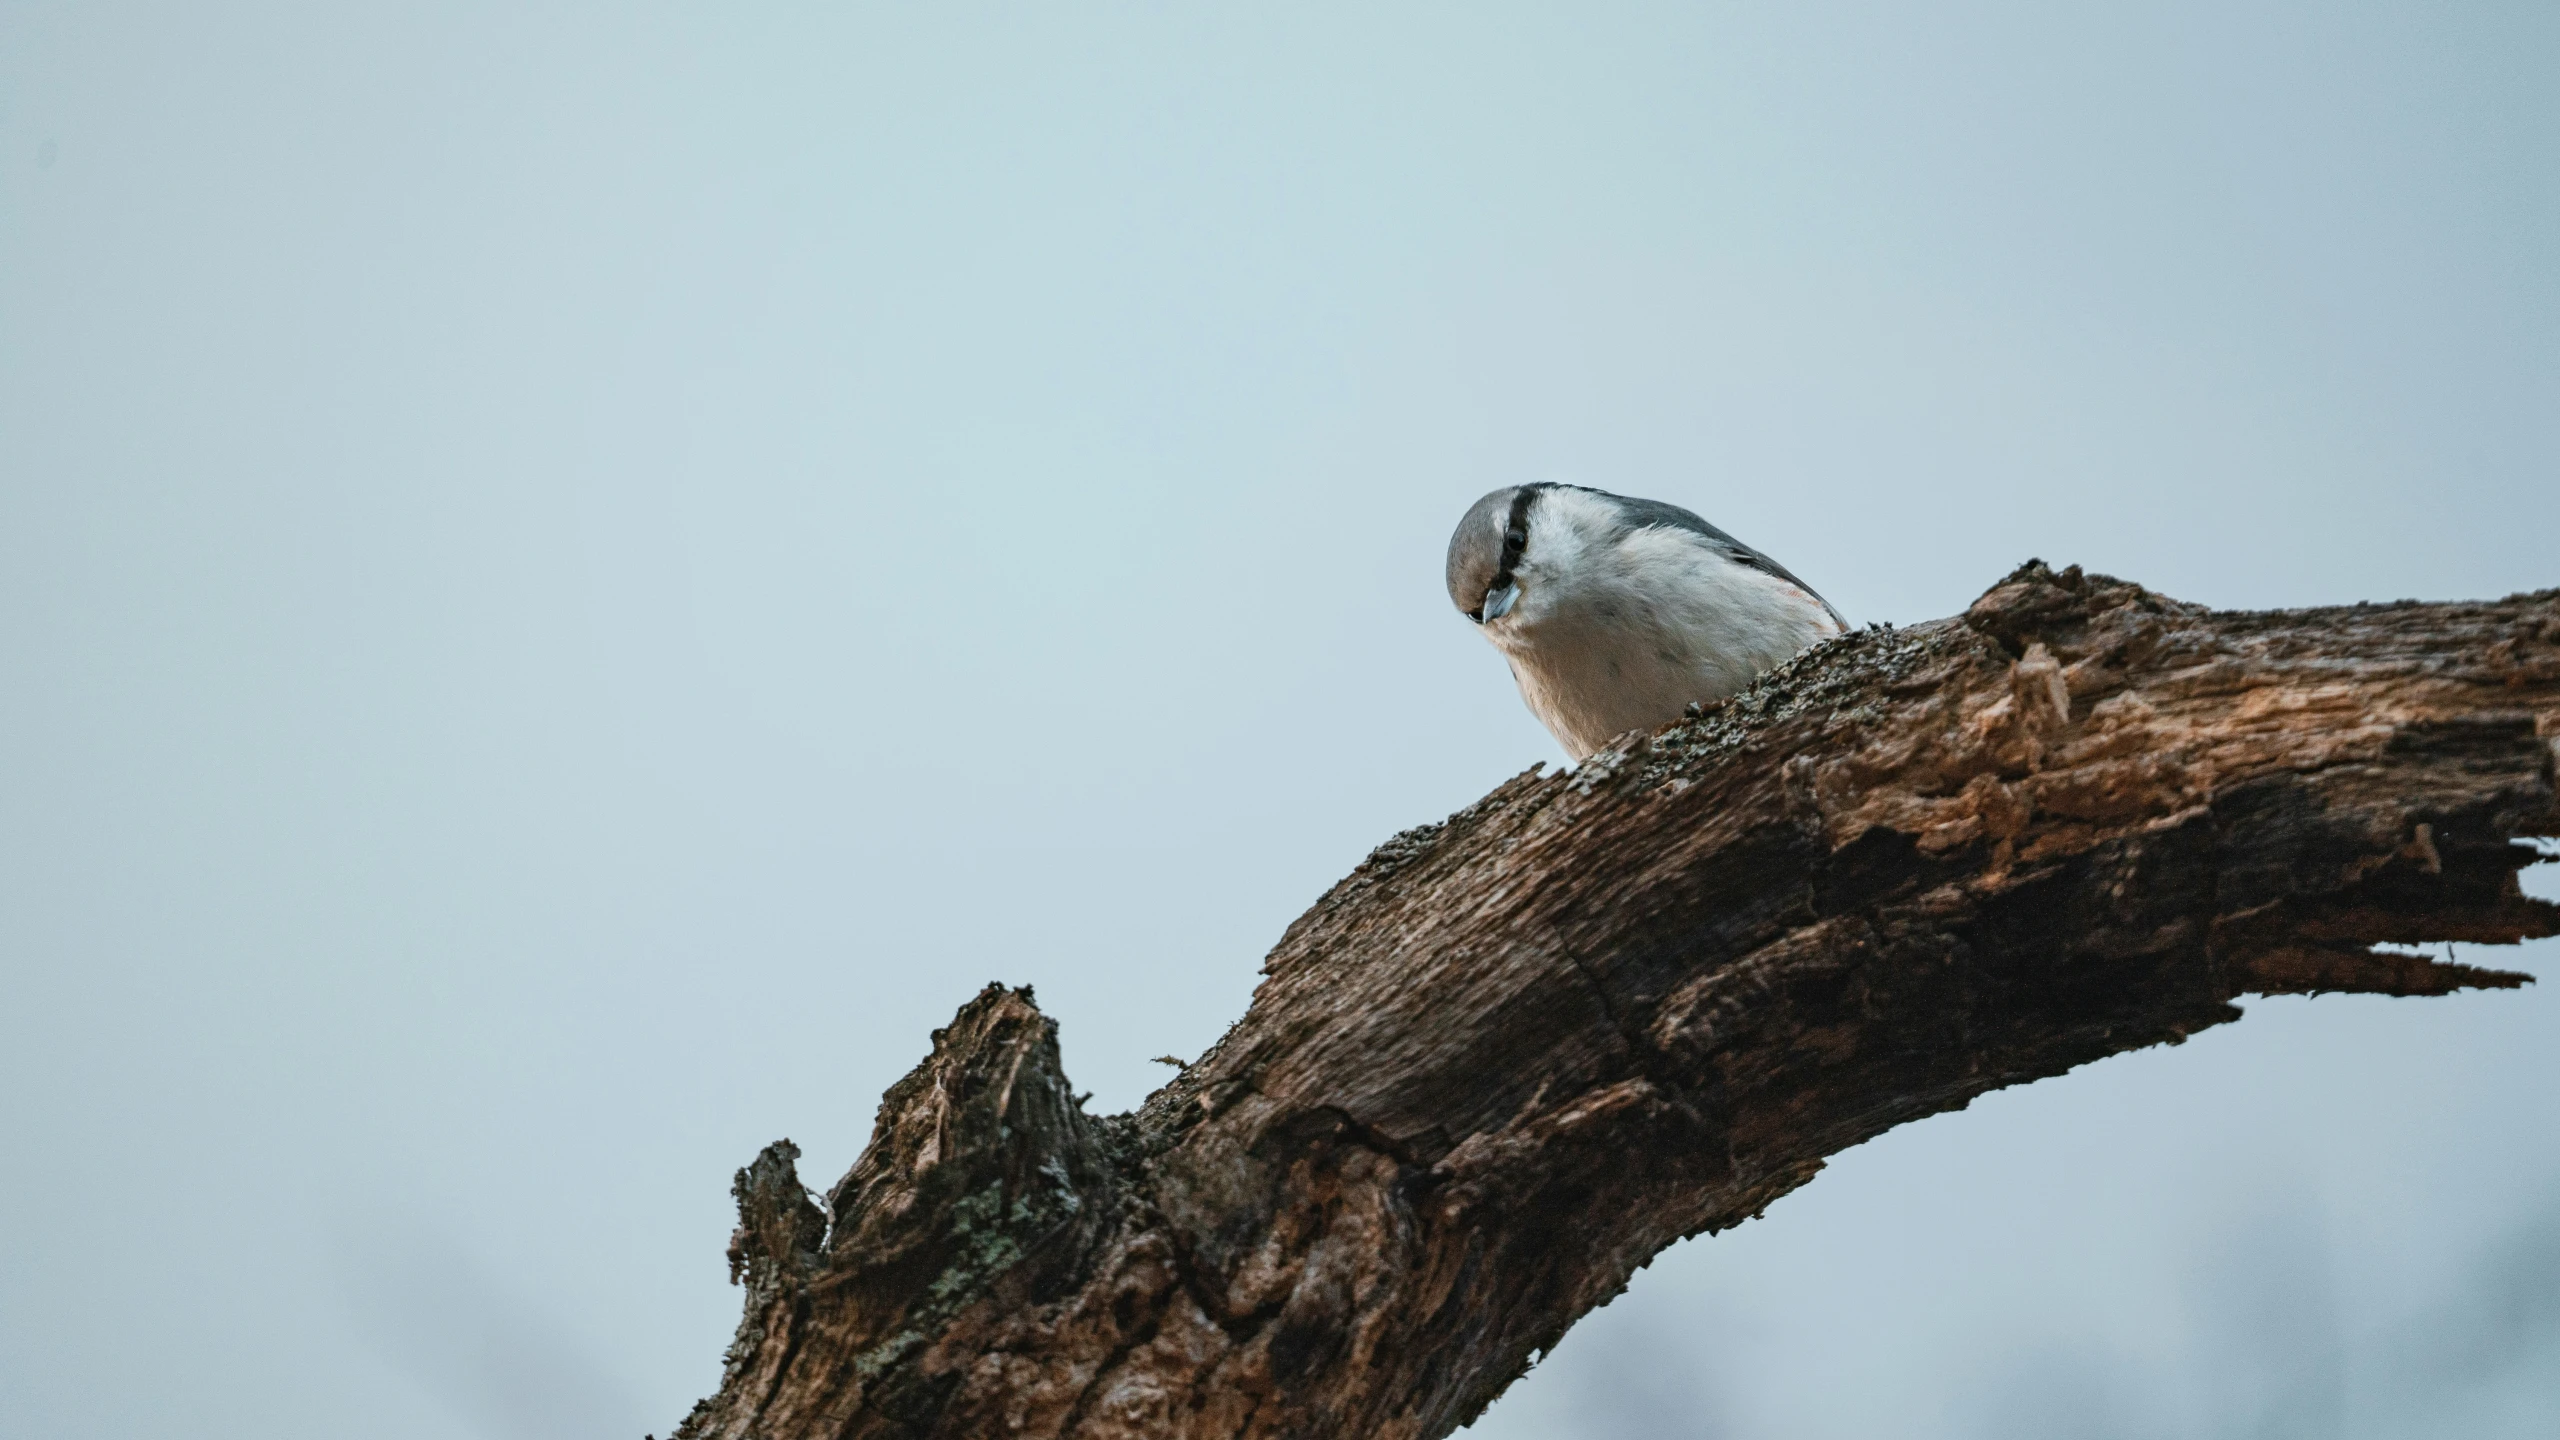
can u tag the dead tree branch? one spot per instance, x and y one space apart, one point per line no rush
1517 1053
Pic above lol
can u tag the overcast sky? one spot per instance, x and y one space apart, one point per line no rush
574 578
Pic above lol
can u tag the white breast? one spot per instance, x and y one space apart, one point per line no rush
1620 634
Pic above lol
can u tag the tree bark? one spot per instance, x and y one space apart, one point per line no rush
1517 1053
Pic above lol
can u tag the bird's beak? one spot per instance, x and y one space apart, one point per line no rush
1498 602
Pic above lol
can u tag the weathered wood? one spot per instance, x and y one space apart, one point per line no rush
1517 1053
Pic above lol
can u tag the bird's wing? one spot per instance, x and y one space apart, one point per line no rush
1652 514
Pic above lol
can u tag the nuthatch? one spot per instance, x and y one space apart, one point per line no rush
1616 614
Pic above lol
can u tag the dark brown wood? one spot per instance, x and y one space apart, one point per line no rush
1517 1053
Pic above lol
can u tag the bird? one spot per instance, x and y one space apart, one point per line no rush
1616 614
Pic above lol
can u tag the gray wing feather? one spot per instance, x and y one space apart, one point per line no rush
1653 514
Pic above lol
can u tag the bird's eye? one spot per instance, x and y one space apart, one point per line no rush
1515 537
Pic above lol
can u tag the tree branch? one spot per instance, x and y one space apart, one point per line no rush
1516 1054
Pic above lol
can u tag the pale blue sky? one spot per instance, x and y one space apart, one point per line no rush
574 578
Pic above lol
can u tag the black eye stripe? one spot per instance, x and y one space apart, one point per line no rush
1515 536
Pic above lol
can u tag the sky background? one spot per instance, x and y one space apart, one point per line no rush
574 578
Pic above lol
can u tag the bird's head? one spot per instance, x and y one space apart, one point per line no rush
1519 551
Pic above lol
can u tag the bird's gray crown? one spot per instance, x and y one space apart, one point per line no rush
1486 545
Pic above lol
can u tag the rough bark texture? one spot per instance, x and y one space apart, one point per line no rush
1519 1052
